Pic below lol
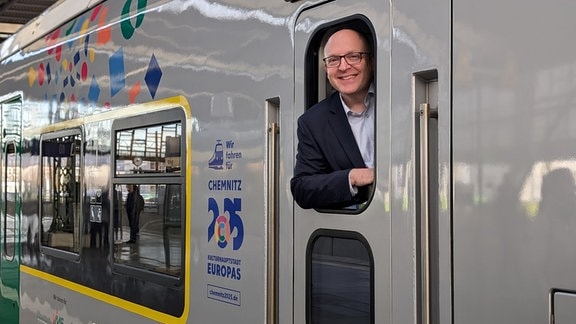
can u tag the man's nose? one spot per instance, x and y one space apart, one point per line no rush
343 64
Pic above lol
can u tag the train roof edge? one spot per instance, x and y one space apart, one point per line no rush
49 20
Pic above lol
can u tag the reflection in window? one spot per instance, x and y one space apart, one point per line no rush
60 185
148 161
341 289
160 241
11 174
152 149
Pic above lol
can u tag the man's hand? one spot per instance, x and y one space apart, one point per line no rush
361 177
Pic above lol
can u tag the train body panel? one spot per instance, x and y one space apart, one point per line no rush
513 163
193 105
120 54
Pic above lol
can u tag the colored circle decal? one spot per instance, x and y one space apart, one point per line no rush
222 229
126 24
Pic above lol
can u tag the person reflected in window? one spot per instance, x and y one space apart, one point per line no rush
134 205
335 158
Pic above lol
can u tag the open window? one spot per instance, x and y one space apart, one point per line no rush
318 87
316 82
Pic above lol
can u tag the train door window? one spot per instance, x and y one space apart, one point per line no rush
61 158
11 177
340 272
149 195
318 87
11 111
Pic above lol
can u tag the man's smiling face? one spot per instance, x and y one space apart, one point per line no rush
352 81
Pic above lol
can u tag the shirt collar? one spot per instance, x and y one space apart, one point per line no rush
368 102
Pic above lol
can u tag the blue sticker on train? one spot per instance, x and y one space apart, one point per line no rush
222 228
221 153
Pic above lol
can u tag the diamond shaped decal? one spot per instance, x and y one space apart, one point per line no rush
76 58
94 91
153 76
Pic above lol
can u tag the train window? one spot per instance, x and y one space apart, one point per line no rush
61 157
149 189
340 270
150 149
156 236
10 195
318 87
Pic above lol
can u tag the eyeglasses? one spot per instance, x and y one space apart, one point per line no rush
352 58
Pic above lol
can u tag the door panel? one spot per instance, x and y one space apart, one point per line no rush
420 192
338 254
10 211
409 255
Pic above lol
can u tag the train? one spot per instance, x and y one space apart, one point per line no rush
195 103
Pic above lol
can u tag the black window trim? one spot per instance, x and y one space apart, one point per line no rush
10 254
332 233
48 250
311 82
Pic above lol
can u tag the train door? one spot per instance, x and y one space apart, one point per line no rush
389 261
342 256
10 210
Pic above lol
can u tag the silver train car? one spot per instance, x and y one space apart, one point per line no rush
195 102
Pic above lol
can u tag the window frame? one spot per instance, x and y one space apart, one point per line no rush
315 80
9 254
54 251
172 115
336 234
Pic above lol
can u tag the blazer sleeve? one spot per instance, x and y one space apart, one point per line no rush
317 183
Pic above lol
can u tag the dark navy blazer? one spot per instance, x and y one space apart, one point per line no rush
327 150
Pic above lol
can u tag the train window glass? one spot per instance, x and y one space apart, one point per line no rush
340 272
149 184
10 195
150 149
155 230
60 190
11 110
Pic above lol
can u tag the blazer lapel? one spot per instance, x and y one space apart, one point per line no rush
339 123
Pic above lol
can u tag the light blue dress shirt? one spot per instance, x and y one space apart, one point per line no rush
362 125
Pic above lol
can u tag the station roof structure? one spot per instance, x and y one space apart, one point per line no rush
16 13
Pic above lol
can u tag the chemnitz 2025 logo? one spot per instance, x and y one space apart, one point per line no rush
222 228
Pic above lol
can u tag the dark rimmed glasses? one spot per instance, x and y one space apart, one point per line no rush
352 58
